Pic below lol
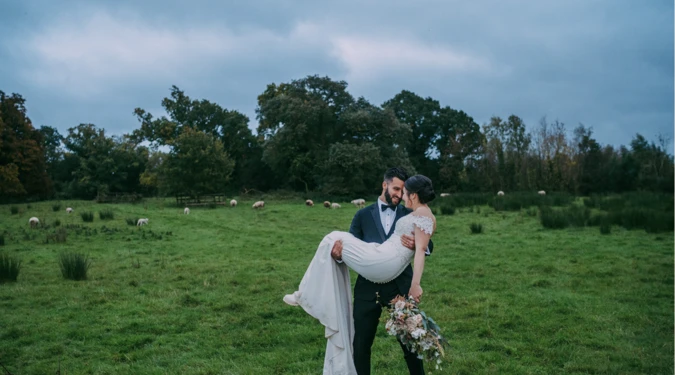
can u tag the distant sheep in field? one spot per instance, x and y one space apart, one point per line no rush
445 195
541 192
69 210
259 204
233 203
326 204
142 222
500 193
186 211
360 203
335 205
309 203
34 222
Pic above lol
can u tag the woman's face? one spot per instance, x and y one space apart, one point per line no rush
406 198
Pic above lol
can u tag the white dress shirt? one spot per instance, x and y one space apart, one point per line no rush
387 216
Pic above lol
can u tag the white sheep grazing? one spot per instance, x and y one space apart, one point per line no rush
69 210
500 193
445 194
335 205
142 222
259 204
359 202
233 203
34 222
186 211
309 203
541 192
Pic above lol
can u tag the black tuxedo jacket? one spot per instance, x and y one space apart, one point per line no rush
367 226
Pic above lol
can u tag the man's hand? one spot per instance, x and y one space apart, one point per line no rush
408 241
336 252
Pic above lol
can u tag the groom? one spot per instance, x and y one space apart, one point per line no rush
376 223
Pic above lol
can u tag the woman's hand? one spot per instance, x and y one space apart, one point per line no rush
415 292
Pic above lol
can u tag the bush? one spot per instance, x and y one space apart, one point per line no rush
532 211
131 221
476 228
14 210
74 266
56 207
577 215
447 210
9 268
87 217
605 228
60 236
106 215
553 219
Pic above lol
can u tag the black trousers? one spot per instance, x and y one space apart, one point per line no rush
367 311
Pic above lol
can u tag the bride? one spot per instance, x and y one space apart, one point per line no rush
325 289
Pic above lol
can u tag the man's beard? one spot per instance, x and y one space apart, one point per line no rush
387 196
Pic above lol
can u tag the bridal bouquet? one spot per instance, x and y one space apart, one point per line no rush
415 329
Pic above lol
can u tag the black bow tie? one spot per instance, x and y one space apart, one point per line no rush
384 207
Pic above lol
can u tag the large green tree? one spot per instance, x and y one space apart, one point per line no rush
317 136
228 126
197 164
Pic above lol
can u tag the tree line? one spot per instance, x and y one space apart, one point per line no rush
314 136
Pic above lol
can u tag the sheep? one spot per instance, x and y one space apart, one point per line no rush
142 222
326 204
541 192
69 210
445 194
335 205
500 193
259 204
309 203
186 211
34 222
360 203
233 203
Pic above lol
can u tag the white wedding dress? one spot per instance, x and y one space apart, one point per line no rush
325 289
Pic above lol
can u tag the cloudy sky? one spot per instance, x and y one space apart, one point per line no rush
605 63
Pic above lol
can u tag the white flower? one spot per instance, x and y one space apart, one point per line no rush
399 305
419 332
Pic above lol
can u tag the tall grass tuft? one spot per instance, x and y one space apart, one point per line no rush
476 228
56 207
605 228
57 222
87 217
74 266
131 221
553 219
9 268
2 240
106 214
14 210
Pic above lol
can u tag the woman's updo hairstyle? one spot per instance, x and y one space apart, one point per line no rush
421 185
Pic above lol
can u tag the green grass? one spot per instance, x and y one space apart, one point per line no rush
201 294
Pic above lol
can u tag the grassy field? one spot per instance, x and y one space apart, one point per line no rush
201 294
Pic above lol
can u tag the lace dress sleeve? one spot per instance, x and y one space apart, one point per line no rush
426 224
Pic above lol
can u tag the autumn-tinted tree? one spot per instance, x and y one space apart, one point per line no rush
22 160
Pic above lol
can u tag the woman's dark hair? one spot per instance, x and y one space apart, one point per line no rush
421 185
398 172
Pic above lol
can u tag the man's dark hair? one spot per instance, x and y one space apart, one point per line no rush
398 172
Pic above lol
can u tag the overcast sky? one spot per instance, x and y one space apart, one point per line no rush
605 63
